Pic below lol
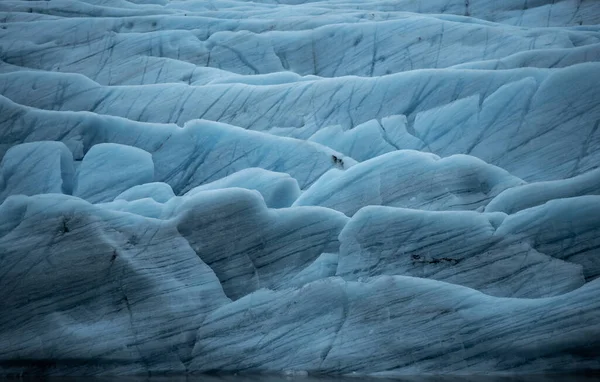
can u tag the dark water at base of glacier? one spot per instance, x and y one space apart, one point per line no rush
595 377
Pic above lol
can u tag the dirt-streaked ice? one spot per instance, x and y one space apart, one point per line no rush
363 187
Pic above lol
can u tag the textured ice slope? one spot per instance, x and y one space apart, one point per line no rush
342 186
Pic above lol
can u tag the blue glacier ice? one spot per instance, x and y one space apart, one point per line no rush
340 187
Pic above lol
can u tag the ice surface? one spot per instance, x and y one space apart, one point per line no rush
408 324
219 150
158 191
370 139
250 247
534 194
509 100
567 229
370 48
458 247
277 189
412 179
183 157
543 58
124 290
299 186
108 169
36 168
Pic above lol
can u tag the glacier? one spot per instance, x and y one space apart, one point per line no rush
324 187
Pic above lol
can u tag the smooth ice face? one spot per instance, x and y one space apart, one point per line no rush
376 187
278 189
410 179
109 169
534 194
157 191
36 168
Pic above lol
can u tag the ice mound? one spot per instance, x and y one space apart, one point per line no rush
250 247
377 187
109 169
465 248
534 194
37 168
114 287
157 191
278 189
412 179
397 325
